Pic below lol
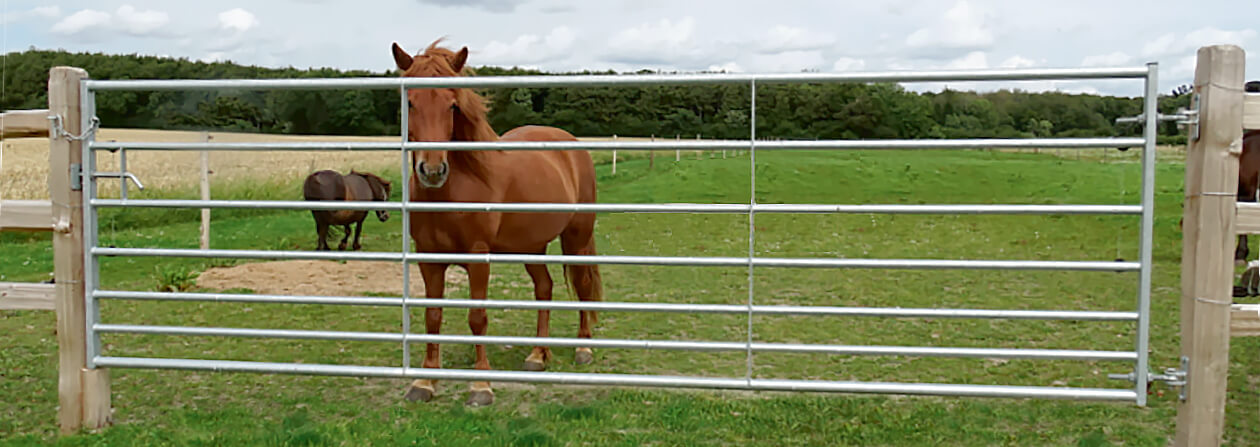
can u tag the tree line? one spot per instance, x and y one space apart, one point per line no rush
807 111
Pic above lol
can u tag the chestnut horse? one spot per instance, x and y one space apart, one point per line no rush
456 114
1248 183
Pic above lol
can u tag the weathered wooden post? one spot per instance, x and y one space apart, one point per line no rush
205 193
1208 244
83 393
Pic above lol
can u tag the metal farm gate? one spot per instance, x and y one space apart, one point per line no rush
1137 357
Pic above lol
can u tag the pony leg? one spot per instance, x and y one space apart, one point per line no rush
434 276
358 230
585 281
478 280
321 228
1242 250
342 245
540 355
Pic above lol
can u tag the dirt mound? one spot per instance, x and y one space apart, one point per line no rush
327 278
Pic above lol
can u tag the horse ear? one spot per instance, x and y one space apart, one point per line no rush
401 58
461 57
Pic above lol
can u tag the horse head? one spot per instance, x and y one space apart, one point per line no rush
438 114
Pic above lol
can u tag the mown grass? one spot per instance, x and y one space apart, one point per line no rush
167 407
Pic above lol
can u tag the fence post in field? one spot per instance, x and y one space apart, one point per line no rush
700 152
614 168
652 155
205 193
83 394
1208 244
677 151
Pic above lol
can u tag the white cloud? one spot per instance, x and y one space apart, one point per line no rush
1161 45
1170 44
137 22
238 20
729 67
962 27
665 41
1113 59
973 60
81 21
127 19
848 64
47 12
785 38
1017 61
787 61
529 48
42 12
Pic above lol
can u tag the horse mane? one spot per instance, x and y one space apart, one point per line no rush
471 123
379 185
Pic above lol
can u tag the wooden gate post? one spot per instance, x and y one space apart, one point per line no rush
1208 244
83 393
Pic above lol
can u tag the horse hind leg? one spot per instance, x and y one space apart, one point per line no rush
1242 250
321 229
540 355
585 282
344 239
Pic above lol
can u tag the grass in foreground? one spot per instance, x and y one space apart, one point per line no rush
166 407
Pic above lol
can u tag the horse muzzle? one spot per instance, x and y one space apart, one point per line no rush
433 176
382 215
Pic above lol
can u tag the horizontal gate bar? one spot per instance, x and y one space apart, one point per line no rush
708 208
565 378
977 143
670 345
627 306
390 83
498 258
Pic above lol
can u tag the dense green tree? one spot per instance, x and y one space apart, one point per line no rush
808 111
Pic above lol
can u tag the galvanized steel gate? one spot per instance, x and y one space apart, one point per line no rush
1140 315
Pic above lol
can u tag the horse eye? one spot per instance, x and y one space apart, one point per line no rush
410 104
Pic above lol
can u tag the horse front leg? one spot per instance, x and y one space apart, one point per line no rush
478 281
540 355
434 276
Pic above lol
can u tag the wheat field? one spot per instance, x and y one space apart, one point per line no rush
24 164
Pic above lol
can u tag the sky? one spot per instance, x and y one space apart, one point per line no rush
671 35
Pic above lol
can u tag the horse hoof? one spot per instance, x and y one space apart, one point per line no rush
583 356
357 247
421 394
531 365
480 398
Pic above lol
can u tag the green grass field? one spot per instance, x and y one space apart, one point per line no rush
186 408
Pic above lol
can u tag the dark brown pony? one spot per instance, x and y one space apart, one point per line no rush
357 186
447 114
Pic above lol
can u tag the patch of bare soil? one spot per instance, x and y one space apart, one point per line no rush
323 278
